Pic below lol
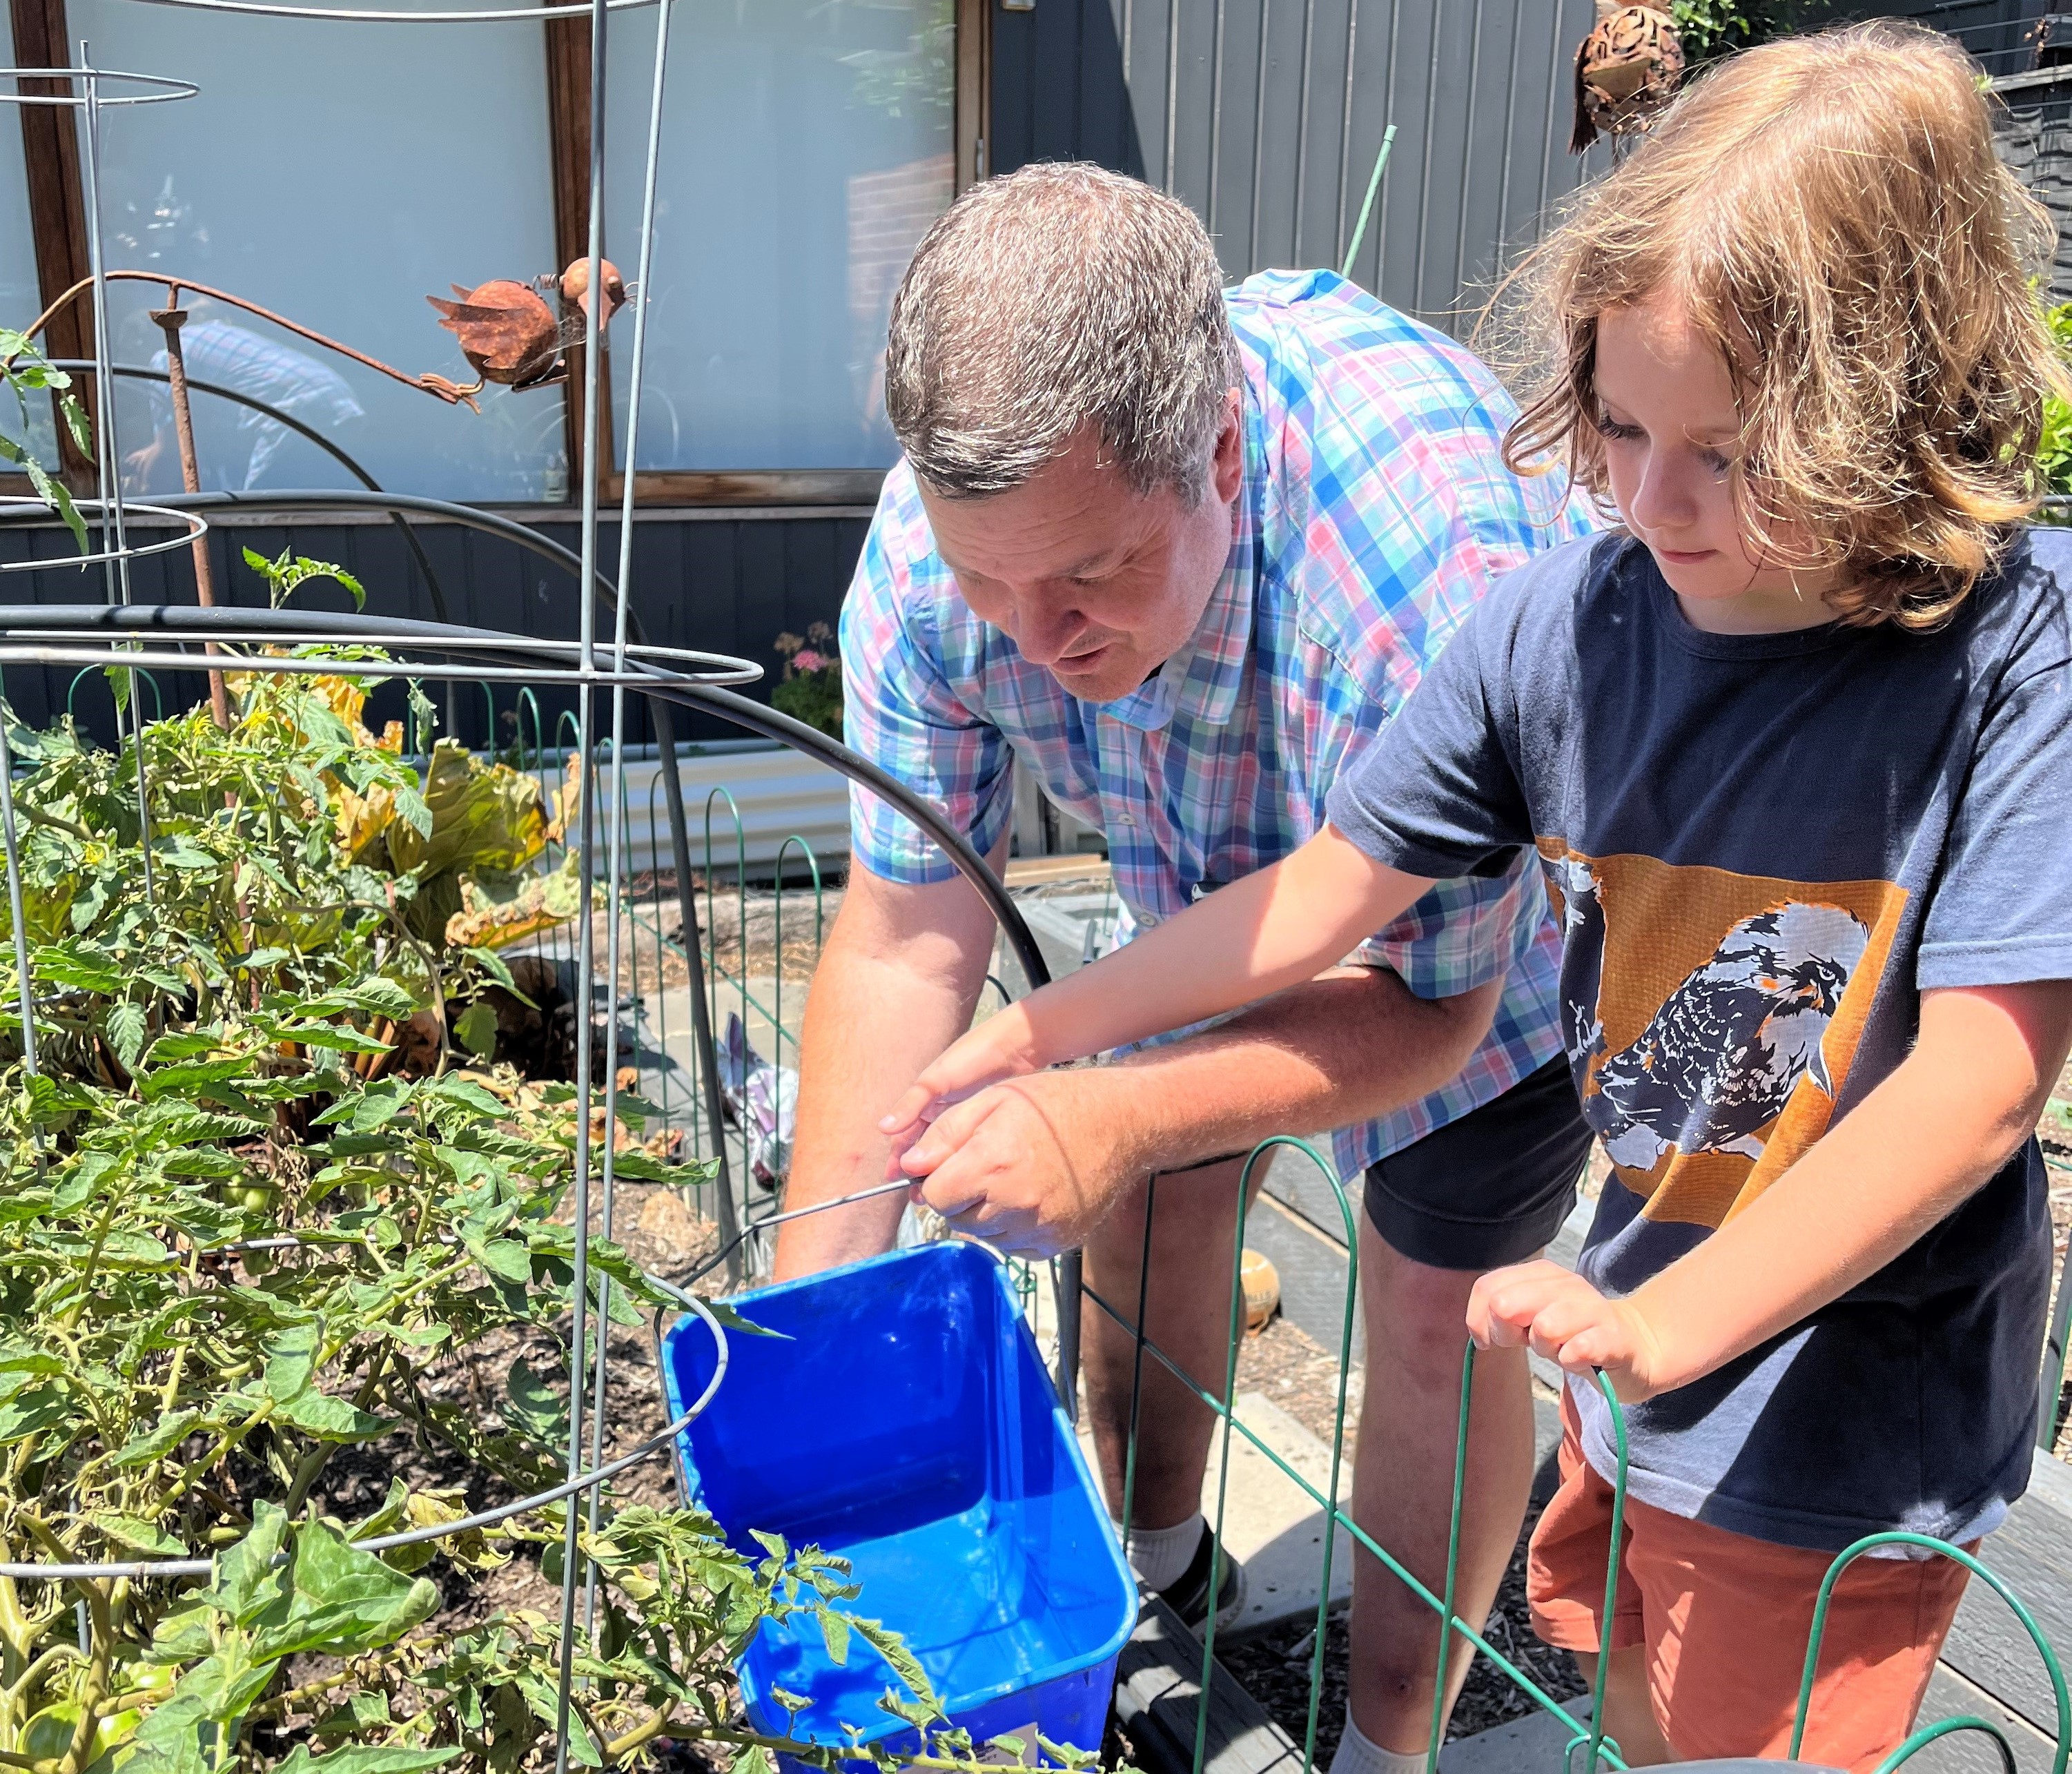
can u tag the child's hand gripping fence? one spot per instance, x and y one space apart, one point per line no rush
1596 1749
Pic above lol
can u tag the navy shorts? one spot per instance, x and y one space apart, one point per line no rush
1490 1188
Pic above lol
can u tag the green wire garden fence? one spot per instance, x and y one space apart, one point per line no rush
1587 1747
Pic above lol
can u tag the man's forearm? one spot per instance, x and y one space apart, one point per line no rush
1345 1048
895 984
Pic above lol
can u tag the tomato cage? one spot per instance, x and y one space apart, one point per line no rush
180 1109
248 646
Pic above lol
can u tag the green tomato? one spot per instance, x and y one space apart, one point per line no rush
256 1198
258 1262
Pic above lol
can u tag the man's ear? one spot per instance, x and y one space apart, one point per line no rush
1227 465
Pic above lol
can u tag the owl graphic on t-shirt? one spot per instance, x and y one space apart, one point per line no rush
1701 1063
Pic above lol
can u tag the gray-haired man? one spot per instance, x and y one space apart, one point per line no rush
1179 552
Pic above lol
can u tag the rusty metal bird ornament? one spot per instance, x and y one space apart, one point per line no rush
1627 70
511 332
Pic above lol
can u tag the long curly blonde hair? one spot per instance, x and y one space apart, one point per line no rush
1829 211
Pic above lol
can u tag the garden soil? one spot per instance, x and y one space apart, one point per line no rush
663 1236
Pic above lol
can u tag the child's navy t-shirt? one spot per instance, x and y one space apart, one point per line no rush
1765 847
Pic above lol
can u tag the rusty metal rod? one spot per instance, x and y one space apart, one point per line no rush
170 319
437 386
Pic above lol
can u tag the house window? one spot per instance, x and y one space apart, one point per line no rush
18 302
807 147
338 174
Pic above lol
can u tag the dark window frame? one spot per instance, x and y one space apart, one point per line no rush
57 210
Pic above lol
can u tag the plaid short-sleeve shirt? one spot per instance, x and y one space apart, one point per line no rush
1376 509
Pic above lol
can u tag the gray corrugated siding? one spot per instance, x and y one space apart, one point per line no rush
1996 31
1266 115
2035 139
2035 128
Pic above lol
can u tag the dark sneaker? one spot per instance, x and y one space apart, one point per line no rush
1188 1594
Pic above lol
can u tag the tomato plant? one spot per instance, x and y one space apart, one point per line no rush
1709 29
2054 452
23 371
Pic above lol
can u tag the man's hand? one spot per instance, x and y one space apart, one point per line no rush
138 464
1039 1161
1031 1165
1556 1313
1001 1046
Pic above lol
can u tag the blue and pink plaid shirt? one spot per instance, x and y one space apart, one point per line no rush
1376 510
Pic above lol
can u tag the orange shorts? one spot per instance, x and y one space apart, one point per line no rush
1724 1620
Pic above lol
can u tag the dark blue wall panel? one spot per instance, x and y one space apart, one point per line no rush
726 583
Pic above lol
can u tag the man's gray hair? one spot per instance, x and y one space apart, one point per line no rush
1053 299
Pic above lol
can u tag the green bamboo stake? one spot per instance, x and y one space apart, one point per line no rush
1366 208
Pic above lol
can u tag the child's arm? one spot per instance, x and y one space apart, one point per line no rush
1946 1120
1247 940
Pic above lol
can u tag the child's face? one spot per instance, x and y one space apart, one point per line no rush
1666 405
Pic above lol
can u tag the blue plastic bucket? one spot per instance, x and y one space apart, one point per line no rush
908 1425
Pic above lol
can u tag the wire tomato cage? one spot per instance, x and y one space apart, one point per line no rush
143 638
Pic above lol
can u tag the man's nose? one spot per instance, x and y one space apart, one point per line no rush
1043 637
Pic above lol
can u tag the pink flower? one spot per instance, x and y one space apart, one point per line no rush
806 659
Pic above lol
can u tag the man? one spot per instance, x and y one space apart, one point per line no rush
1179 554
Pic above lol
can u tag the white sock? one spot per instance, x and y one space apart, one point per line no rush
1357 1754
1161 1555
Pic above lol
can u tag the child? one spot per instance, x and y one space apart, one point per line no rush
1794 750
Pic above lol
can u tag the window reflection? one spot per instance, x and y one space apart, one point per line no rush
807 147
236 445
334 173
